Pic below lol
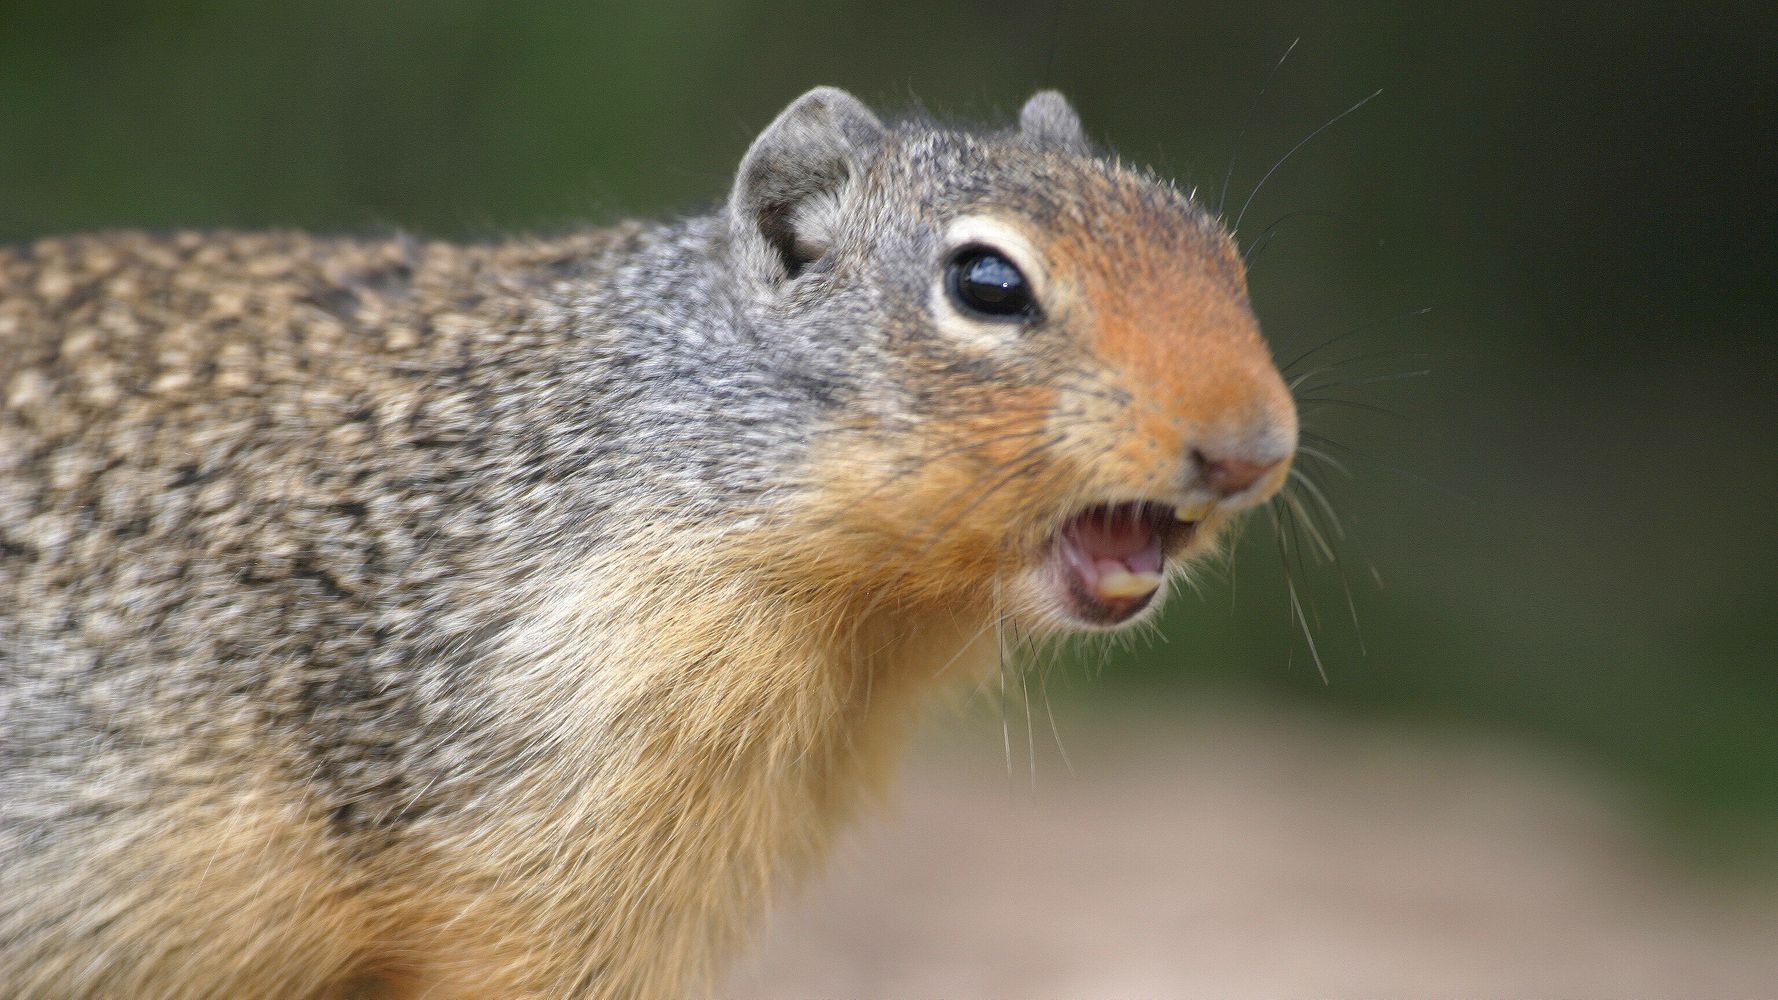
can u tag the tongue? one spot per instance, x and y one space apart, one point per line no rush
1115 555
1119 535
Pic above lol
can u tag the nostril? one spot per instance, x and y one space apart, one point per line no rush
1228 476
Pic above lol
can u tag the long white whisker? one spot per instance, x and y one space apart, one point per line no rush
1049 709
1235 147
1299 476
1306 139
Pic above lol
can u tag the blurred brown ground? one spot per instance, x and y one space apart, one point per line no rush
1231 854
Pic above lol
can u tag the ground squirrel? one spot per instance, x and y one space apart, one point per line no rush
399 618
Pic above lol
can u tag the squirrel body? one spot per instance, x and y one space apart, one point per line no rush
382 617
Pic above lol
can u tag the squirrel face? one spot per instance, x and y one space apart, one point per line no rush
1067 393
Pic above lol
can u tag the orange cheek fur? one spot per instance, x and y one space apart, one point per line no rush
939 513
935 520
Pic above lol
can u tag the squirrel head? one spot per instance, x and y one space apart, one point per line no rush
1044 387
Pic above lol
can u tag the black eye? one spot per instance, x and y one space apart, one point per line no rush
985 283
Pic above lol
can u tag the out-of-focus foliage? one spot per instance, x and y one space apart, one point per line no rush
1565 215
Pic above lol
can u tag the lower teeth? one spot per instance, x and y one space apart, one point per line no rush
1124 584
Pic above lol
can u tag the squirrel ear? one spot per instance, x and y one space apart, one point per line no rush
786 197
1049 120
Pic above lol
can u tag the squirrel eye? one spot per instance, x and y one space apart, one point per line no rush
985 283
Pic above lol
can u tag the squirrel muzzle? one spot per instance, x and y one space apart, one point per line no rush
1187 423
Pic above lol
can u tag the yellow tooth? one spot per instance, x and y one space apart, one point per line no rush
1195 513
1124 584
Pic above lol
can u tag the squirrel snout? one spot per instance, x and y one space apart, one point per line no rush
1239 466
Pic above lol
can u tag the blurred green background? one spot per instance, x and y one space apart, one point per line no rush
1561 533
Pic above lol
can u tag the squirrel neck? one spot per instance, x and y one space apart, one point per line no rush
643 644
699 731
656 376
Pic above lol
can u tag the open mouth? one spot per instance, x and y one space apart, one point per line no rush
1110 560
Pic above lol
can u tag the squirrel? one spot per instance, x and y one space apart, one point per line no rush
396 618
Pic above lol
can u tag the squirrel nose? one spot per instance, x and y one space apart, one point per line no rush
1228 476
